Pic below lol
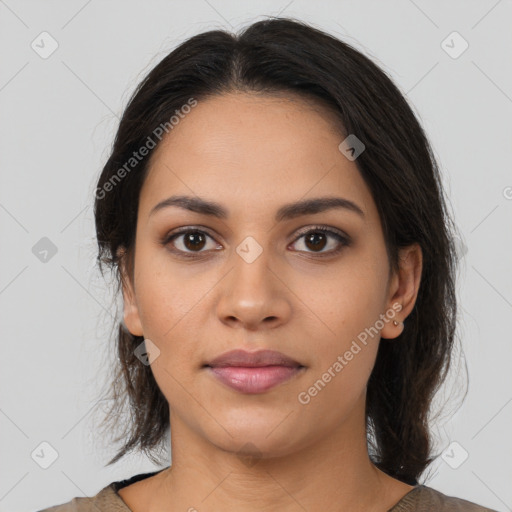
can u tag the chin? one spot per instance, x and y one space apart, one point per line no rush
258 439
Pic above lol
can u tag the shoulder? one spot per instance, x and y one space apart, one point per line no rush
423 498
106 499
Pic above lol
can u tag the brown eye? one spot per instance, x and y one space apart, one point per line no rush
317 239
194 240
189 241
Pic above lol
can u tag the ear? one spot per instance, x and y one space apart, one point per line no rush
403 289
130 310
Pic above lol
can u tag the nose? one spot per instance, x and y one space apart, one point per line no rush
254 295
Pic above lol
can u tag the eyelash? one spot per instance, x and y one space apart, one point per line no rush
344 240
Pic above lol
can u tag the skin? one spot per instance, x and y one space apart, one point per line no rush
252 154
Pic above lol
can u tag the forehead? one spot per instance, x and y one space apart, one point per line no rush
252 151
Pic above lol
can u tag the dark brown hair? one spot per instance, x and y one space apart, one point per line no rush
276 56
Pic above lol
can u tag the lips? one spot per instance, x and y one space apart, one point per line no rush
253 359
253 372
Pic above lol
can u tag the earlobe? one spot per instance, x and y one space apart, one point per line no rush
132 318
393 328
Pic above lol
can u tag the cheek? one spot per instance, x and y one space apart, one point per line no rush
346 303
346 344
338 383
166 293
166 311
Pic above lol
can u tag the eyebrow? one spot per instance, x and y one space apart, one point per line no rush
286 212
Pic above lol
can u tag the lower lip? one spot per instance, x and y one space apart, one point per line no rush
253 379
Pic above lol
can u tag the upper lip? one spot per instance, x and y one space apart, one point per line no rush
253 359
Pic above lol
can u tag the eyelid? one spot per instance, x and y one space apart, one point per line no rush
322 228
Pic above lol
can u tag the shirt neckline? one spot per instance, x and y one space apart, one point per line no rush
114 487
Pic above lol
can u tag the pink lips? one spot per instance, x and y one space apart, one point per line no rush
253 372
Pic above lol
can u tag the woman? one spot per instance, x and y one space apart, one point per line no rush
274 213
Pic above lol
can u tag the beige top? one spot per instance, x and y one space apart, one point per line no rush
419 499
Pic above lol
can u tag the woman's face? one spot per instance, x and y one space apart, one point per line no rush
253 279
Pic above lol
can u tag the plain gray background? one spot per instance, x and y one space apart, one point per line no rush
58 119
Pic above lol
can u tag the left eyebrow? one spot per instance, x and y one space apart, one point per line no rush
317 205
286 212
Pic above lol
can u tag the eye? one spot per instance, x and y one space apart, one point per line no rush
188 241
317 238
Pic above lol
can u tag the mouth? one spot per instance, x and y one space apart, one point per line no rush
253 372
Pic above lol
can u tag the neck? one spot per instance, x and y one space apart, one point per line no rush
320 476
